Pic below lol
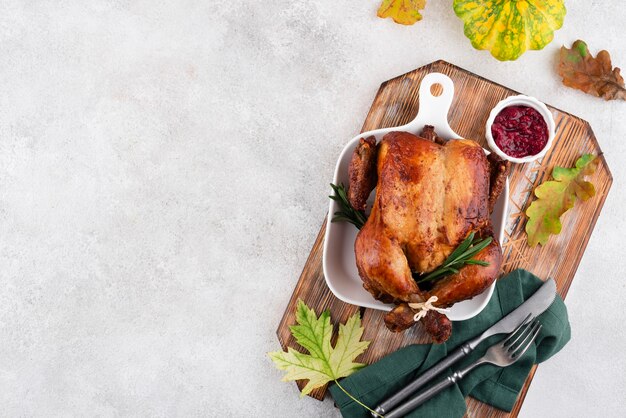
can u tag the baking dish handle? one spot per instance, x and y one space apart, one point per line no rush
433 110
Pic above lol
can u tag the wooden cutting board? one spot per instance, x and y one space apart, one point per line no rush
395 104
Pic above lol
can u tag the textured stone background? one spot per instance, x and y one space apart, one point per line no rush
163 173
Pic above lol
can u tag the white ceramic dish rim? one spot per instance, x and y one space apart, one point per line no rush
433 110
524 101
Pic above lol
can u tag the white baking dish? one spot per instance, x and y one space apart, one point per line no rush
339 260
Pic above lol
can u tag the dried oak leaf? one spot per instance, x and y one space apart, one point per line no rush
405 12
557 196
595 76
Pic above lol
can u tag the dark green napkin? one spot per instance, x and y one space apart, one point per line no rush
495 386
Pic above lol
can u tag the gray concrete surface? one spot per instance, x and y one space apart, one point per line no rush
163 173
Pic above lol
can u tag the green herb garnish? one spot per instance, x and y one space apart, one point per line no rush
461 256
346 212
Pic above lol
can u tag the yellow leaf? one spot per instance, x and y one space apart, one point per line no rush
405 12
556 197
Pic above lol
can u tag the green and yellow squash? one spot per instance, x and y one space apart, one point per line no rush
507 28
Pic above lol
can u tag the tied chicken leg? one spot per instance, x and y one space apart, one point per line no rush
430 195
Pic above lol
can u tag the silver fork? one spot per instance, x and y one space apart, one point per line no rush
503 353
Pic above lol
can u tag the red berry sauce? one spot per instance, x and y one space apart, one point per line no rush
520 131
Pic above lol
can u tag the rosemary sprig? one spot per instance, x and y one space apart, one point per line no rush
461 256
346 211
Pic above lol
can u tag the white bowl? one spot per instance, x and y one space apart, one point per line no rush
339 260
520 100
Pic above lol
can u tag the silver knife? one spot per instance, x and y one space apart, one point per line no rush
532 307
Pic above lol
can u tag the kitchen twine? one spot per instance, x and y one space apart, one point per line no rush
424 307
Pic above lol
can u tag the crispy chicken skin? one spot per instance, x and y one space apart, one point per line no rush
429 133
436 324
362 172
500 170
429 198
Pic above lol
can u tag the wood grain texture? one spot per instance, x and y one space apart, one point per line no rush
396 103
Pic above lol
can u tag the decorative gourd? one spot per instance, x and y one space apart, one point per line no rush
507 28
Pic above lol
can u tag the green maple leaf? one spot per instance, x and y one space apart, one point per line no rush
557 196
323 363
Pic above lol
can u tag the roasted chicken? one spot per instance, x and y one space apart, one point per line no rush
430 195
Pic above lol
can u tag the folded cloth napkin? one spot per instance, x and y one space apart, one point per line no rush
495 386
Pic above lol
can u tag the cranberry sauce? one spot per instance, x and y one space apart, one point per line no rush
520 131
